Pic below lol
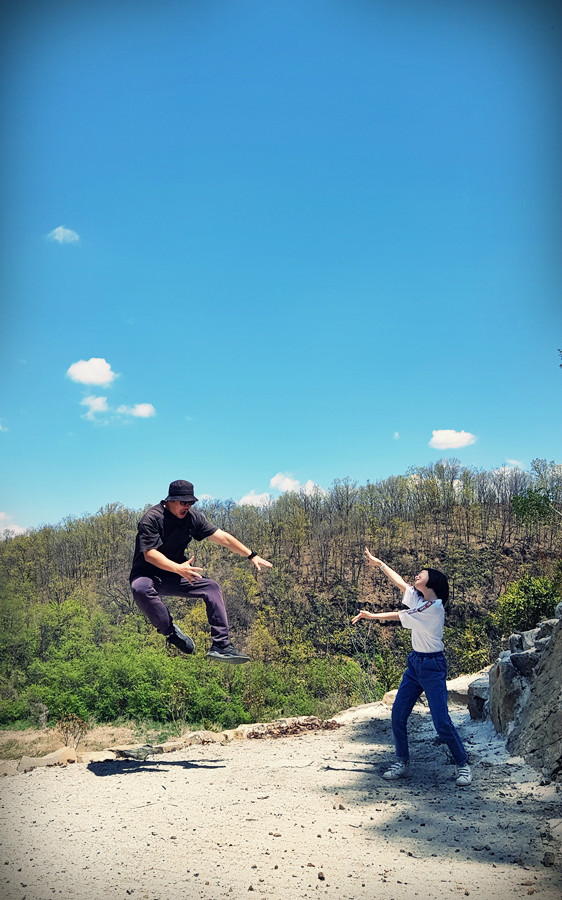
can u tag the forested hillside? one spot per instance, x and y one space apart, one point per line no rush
73 641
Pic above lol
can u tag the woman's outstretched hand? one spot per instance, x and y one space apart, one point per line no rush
373 560
363 614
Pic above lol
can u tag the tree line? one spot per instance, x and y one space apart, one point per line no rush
73 641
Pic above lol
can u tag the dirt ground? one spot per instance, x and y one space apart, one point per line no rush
294 817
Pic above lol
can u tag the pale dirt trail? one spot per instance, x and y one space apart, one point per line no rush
294 817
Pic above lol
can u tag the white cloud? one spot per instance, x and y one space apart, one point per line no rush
2 427
396 435
310 488
253 499
91 371
95 405
445 439
139 410
515 463
283 482
63 235
7 527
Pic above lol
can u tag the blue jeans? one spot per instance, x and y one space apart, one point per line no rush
426 672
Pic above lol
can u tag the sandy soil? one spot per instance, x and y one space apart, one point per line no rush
294 817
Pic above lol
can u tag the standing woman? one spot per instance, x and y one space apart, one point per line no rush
427 667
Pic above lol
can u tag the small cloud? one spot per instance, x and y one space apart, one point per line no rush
2 427
310 488
283 482
515 463
7 527
396 435
139 410
95 405
447 438
91 371
63 235
253 499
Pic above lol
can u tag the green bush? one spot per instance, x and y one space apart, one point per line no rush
467 649
525 603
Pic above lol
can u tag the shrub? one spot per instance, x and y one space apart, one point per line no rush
524 604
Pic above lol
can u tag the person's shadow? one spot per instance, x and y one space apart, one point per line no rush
131 766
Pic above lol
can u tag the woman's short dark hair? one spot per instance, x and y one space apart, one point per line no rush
439 583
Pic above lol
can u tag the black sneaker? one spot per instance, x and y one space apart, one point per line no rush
229 653
180 640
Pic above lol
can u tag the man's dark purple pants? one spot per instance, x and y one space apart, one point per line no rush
148 591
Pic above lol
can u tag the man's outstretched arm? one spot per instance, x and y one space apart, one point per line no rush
231 543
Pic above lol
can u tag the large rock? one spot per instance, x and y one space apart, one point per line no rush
528 638
97 756
204 737
525 661
58 758
546 628
508 692
478 696
537 734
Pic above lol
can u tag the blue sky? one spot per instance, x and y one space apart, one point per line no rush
285 242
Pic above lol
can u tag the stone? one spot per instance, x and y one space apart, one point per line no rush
541 644
8 767
525 662
57 758
457 690
97 756
546 628
515 643
390 696
204 737
141 754
171 746
508 690
478 697
558 610
528 638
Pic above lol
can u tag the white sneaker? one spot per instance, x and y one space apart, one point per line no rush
464 776
398 769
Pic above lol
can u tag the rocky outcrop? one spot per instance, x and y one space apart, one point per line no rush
537 733
522 694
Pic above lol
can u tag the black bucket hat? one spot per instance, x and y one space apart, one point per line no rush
181 490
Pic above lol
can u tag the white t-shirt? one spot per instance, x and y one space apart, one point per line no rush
425 619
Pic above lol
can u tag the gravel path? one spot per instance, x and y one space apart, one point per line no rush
293 817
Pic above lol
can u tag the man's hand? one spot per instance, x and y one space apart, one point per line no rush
189 572
260 563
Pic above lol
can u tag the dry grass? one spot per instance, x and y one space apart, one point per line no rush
37 742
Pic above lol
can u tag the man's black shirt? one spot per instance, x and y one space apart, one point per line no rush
160 530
